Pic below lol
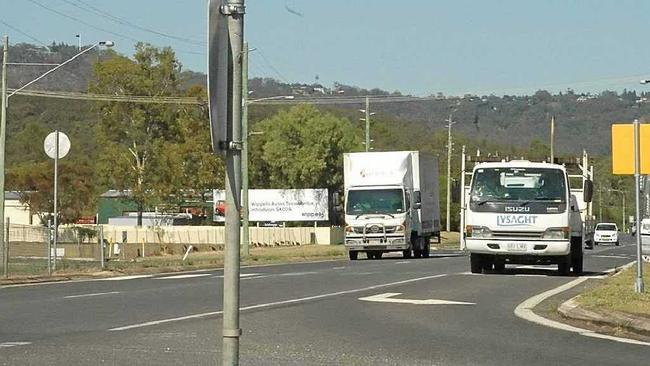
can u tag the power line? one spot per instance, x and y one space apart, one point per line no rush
198 101
109 98
119 20
25 34
80 21
270 65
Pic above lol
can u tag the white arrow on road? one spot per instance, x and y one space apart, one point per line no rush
388 297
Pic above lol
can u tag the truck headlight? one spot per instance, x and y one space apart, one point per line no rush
400 228
478 232
557 233
349 229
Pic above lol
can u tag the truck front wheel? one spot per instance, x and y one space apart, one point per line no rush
427 247
353 255
406 253
576 255
475 263
563 265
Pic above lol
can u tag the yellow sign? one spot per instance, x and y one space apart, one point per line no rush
623 148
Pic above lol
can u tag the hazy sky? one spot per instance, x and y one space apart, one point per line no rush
419 47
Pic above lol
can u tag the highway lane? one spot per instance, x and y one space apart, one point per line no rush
330 326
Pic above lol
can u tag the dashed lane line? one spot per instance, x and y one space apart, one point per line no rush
124 278
184 276
91 295
13 344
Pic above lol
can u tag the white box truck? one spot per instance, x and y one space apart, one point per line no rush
391 203
523 212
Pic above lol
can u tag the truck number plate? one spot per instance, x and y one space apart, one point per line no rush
517 247
374 241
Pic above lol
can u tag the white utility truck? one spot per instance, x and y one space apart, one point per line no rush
523 212
391 203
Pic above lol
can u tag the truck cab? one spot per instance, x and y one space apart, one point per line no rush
391 203
523 212
377 218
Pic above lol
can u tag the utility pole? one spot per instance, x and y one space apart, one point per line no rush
450 122
367 124
3 133
366 118
600 205
245 250
235 10
552 139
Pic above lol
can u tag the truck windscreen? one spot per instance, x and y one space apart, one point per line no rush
518 184
375 201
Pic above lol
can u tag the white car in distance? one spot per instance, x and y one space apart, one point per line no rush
606 232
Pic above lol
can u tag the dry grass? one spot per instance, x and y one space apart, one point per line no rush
617 293
450 241
33 269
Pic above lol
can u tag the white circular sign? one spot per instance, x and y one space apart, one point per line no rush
50 145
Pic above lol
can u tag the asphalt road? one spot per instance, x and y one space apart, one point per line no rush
307 314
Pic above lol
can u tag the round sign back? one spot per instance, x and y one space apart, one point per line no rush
50 145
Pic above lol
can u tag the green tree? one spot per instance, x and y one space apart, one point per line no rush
35 183
302 147
134 138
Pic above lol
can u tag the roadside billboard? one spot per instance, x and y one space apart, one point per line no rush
278 205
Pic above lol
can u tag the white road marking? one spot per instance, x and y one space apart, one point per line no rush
276 303
13 344
124 278
180 277
296 274
241 275
402 262
525 311
338 267
611 256
388 297
91 295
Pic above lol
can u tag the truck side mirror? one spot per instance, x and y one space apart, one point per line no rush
417 200
455 192
588 190
417 197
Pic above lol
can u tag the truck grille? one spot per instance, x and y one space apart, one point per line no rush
518 234
374 229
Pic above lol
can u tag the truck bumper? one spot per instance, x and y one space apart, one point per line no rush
388 243
515 248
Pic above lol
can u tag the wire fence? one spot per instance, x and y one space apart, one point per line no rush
29 250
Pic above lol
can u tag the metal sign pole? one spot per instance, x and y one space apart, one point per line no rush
231 330
56 186
49 247
638 286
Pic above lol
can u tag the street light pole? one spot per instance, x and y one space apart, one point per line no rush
245 250
3 107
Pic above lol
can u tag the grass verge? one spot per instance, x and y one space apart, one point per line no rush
617 293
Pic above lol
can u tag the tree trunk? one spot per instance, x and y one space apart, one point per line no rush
140 209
